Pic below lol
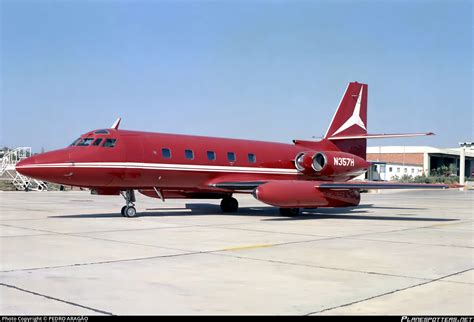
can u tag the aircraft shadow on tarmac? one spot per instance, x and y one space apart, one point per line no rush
351 213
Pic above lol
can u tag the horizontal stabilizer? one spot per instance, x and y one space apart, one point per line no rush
377 185
379 136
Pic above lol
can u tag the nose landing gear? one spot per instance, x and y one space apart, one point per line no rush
129 209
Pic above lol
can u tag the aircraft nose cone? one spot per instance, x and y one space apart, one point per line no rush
46 166
25 166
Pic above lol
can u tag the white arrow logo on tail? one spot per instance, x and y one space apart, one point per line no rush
355 117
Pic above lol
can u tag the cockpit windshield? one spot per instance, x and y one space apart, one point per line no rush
85 142
75 142
92 141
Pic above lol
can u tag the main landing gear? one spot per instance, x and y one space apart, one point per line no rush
129 209
289 212
229 204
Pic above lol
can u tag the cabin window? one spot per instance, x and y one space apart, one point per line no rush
231 156
97 142
211 155
252 158
85 142
101 132
109 143
166 153
189 154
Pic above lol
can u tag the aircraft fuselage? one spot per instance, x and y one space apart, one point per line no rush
141 160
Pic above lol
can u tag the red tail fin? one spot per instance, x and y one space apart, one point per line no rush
351 119
351 115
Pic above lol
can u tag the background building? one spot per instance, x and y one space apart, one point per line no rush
390 161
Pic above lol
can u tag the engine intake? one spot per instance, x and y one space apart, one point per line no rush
304 162
319 161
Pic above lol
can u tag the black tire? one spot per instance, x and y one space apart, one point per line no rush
123 211
290 212
229 204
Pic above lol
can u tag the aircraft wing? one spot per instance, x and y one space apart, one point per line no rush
238 185
377 185
251 185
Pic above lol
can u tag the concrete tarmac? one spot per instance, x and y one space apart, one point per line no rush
399 252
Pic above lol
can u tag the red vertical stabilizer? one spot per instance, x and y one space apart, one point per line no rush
351 119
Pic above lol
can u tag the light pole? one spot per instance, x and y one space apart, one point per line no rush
462 161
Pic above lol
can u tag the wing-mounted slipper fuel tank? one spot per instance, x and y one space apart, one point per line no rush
312 194
304 194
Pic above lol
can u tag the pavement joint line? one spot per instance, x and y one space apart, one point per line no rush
32 229
247 247
457 282
129 243
178 226
270 231
81 234
101 262
88 232
154 246
325 237
389 293
318 266
220 253
23 219
311 235
150 219
99 231
188 252
385 232
32 235
454 223
55 299
410 243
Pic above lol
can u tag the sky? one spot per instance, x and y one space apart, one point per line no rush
264 70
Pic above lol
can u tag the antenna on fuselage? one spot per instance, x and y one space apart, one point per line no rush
115 126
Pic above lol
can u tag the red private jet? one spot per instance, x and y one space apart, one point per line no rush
305 174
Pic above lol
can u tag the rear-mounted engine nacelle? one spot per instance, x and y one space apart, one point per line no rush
329 163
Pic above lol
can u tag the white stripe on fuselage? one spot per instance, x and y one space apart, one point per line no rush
162 166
